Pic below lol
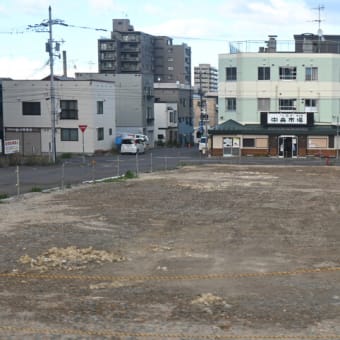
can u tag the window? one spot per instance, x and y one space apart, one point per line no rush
69 109
100 108
173 116
310 102
263 73
31 108
106 46
231 104
263 104
317 142
170 68
311 105
311 73
106 55
100 134
287 104
230 73
287 73
107 65
249 142
69 135
110 132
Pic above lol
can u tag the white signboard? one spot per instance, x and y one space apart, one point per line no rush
231 142
282 118
11 146
227 142
236 142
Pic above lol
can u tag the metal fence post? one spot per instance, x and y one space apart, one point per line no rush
150 161
93 170
118 170
18 180
137 164
63 176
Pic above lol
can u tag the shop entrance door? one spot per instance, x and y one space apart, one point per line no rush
231 146
288 146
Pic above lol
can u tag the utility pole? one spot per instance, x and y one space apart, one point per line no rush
201 104
52 89
51 47
204 115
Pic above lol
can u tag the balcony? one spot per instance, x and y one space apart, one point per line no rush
128 47
127 58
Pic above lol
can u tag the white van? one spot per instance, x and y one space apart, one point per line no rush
132 145
203 144
143 138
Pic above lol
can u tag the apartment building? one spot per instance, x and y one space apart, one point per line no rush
127 51
130 51
279 99
86 106
134 53
206 78
172 62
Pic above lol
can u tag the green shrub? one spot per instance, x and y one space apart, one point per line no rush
3 196
130 174
160 143
36 189
66 155
36 160
4 162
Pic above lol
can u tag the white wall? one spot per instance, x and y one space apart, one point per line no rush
87 93
162 119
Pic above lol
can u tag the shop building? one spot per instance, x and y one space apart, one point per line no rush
282 100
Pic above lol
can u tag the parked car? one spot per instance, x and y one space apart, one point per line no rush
144 138
132 145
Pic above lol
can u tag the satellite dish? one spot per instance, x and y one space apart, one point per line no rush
320 34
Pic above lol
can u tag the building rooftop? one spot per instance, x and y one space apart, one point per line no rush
302 43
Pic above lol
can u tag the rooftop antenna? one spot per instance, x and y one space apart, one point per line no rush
320 33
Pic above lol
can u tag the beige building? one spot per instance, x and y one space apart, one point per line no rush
206 110
206 78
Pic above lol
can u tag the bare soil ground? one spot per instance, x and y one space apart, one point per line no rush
210 252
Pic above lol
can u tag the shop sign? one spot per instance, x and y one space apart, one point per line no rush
231 142
21 129
286 118
11 146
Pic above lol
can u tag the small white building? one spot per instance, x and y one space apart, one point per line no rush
166 122
27 115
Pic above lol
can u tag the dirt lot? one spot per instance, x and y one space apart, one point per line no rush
210 252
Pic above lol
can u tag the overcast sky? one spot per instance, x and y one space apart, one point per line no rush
206 26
